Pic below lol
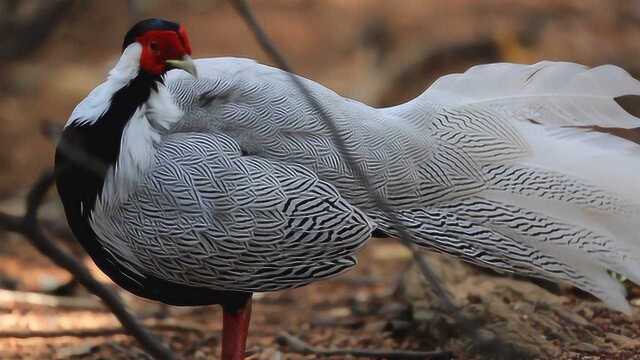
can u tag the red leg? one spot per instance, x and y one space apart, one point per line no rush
235 327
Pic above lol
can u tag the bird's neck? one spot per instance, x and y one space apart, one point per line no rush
110 139
97 150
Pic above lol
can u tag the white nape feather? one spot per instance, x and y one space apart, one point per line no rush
89 110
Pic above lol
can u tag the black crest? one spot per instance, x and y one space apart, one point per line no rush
147 25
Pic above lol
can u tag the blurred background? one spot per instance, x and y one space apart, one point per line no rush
52 53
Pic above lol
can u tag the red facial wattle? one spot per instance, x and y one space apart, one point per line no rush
158 46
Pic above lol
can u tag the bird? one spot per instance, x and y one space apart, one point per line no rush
199 182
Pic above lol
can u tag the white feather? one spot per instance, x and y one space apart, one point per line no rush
545 103
555 93
98 101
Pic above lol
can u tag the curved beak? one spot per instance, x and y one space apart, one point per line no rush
185 64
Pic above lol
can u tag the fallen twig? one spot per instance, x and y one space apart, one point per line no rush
28 226
58 230
205 341
295 344
105 331
9 298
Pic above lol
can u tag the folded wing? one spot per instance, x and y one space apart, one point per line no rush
207 216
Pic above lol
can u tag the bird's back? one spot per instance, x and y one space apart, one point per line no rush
261 109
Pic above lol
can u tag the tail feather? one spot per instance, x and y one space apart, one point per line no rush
515 240
556 199
555 93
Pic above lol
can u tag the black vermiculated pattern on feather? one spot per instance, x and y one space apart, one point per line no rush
205 216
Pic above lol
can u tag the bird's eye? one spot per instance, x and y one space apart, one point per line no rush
154 46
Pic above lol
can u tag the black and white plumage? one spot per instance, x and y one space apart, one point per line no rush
230 183
210 217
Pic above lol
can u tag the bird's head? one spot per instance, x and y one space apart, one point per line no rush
165 46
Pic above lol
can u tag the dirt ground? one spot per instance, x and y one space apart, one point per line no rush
375 51
382 304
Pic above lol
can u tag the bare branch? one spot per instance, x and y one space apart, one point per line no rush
53 132
35 197
242 7
28 226
466 325
24 32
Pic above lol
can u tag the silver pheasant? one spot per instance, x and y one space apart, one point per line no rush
231 181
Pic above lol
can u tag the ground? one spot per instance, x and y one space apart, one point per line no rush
374 51
382 304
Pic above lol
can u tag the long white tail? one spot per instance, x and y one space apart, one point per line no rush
560 198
